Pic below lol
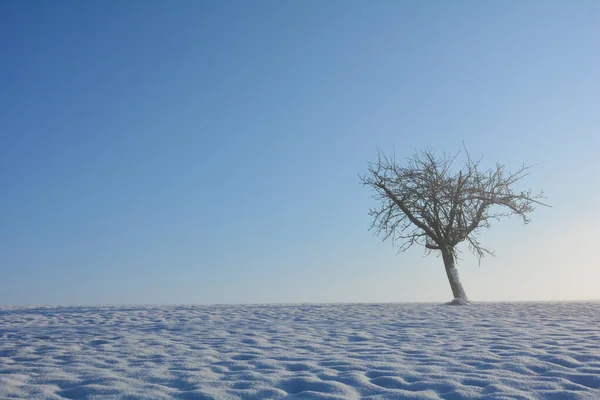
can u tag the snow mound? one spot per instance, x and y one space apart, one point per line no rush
458 302
365 351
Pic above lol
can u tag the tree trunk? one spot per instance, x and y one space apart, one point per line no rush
452 273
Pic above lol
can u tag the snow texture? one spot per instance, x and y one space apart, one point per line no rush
370 351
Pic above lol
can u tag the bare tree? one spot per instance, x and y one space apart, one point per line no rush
431 203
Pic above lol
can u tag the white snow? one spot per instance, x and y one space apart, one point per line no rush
371 351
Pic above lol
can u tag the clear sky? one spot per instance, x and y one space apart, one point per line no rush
208 151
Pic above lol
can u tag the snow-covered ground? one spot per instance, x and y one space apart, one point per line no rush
373 351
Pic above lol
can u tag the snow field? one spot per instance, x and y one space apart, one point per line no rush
368 351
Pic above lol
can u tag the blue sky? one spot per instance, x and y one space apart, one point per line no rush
208 152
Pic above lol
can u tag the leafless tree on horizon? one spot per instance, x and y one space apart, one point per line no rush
428 202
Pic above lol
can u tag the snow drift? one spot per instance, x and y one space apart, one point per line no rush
376 351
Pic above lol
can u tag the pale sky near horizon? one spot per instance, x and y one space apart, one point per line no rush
208 152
